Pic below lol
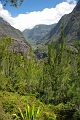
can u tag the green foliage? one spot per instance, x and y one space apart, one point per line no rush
36 34
30 113
14 3
16 105
3 115
54 80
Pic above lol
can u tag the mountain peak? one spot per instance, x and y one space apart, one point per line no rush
38 31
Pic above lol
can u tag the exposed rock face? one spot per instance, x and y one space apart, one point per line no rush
19 44
20 47
2 34
71 27
8 30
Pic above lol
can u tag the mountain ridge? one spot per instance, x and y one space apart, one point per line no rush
38 31
19 42
71 27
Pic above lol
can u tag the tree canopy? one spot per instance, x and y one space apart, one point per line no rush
14 3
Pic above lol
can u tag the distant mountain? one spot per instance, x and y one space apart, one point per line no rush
19 41
71 27
38 32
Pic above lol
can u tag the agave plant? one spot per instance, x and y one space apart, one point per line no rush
30 113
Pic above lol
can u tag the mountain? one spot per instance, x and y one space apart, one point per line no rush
38 32
19 41
71 28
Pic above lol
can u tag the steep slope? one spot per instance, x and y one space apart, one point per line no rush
38 32
54 33
71 27
19 41
8 30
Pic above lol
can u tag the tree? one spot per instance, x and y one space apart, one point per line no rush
14 3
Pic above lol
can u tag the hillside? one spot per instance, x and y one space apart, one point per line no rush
71 27
38 32
19 42
50 85
45 89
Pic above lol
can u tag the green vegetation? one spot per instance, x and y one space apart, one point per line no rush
46 89
7 30
14 106
71 28
30 113
14 3
38 32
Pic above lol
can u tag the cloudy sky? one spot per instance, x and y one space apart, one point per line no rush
33 12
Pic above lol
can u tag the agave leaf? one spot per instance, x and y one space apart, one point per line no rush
15 115
21 113
28 111
33 112
38 111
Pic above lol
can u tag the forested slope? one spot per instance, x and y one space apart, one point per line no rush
45 89
53 81
71 27
38 32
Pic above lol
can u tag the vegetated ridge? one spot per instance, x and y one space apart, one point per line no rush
38 32
19 41
71 27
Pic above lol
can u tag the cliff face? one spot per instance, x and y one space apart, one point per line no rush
8 30
19 41
71 27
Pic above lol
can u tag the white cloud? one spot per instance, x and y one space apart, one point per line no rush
47 16
71 1
6 15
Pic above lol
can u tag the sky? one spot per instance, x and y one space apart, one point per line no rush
34 12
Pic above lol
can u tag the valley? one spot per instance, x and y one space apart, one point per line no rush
40 70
